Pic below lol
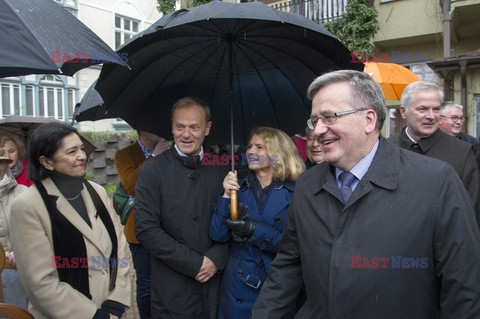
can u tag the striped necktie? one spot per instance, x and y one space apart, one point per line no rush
347 179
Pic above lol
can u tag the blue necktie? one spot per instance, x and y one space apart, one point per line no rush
347 179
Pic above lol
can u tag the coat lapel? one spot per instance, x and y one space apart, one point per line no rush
73 217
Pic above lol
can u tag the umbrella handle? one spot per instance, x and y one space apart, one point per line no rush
233 205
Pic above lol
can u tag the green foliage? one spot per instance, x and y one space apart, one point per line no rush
165 6
110 188
199 2
357 26
89 177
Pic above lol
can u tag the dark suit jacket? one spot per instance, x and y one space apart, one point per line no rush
402 246
459 154
472 140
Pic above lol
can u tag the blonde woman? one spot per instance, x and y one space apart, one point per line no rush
264 196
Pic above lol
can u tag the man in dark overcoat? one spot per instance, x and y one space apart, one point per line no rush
174 199
375 231
421 108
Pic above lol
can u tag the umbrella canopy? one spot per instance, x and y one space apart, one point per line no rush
246 60
41 37
24 126
393 78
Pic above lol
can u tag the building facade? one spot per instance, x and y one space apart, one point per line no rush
115 22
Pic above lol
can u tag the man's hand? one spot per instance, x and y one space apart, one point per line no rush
161 146
207 271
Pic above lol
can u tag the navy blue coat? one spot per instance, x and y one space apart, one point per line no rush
248 263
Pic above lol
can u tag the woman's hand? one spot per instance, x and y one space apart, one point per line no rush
230 182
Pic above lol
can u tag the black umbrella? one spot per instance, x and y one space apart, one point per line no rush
41 37
24 126
248 61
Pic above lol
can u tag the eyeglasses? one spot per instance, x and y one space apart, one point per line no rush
329 118
455 119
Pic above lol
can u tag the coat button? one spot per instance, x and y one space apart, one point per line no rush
104 271
239 300
239 273
278 220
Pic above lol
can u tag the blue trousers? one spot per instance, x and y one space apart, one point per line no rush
141 262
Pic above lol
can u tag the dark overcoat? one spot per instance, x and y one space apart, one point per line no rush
459 154
247 266
406 244
174 201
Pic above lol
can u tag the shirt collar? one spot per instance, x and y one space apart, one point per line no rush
185 155
145 150
361 168
408 135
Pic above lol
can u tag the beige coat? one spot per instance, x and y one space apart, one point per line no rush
32 237
5 204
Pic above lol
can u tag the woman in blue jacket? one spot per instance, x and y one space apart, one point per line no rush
264 196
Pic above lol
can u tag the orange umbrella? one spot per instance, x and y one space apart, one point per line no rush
393 78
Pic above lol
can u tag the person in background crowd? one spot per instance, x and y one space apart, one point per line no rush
451 122
69 247
375 231
128 161
420 107
314 150
13 147
300 141
13 291
174 199
264 196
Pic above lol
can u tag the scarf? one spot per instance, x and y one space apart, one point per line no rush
68 241
17 169
7 183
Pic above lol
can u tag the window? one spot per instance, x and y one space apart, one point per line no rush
10 99
54 99
125 28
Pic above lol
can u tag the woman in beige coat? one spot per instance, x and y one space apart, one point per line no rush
69 247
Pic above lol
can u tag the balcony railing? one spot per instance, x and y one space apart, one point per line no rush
317 10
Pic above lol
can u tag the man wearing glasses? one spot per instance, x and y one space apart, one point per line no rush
396 240
420 107
452 120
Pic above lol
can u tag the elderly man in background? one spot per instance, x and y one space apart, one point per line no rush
375 231
420 107
452 120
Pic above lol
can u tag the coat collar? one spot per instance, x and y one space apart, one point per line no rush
73 217
383 172
424 144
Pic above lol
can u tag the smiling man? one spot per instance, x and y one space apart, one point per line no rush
375 231
174 199
421 108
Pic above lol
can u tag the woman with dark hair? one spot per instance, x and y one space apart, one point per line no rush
264 197
69 246
13 148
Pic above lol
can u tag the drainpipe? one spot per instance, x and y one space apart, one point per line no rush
463 83
446 27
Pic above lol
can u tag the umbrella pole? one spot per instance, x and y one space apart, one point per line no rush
233 192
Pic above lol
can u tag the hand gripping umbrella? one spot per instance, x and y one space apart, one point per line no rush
251 63
41 37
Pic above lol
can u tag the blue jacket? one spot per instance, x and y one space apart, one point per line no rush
248 263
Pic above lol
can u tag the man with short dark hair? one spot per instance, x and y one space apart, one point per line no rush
375 231
420 107
128 161
174 200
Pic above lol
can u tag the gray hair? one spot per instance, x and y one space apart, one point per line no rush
364 92
413 88
450 104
